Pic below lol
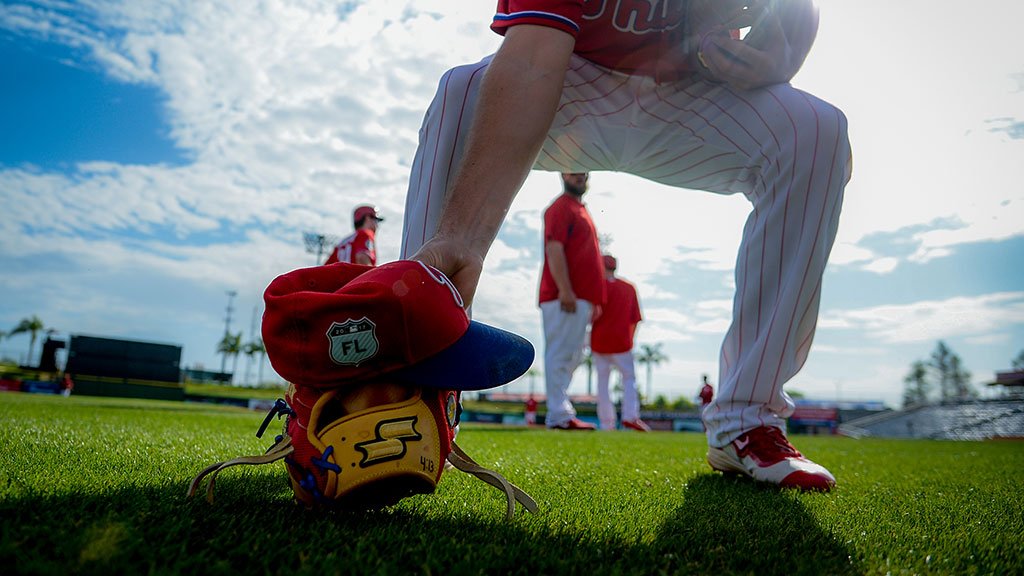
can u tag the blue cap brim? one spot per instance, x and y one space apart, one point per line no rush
484 357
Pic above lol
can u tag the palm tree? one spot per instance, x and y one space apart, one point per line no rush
250 349
651 355
31 325
231 345
1018 362
532 373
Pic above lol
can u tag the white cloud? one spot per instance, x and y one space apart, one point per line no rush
932 319
848 350
998 338
881 265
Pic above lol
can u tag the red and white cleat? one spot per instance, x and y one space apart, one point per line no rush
575 424
638 425
766 455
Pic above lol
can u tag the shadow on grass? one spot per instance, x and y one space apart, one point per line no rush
721 526
733 525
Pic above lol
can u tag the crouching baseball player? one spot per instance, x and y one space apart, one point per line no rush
672 92
376 358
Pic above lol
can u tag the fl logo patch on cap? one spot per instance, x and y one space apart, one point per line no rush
352 341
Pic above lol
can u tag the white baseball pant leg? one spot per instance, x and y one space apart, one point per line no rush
564 336
630 398
624 363
605 408
783 149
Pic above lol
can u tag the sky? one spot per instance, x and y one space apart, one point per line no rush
157 155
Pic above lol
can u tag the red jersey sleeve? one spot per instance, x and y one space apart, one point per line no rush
333 258
557 223
564 15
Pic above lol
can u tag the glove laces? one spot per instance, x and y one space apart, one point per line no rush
282 448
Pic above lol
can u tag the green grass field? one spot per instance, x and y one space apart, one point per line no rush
97 485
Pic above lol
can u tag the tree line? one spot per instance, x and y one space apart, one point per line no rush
232 345
942 376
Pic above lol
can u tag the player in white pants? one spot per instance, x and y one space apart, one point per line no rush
564 335
623 361
785 150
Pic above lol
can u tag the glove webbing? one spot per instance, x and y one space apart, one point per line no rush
276 452
459 459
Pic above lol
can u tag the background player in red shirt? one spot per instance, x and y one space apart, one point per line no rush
706 392
530 414
359 247
626 85
611 342
571 292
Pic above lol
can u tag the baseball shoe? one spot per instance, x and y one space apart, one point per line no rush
638 425
575 424
766 455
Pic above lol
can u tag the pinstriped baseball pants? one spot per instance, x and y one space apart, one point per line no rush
785 150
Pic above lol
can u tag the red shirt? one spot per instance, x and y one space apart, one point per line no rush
631 36
613 330
706 393
567 221
359 242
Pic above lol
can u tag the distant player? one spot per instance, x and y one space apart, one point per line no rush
360 246
670 92
571 292
706 392
530 414
611 342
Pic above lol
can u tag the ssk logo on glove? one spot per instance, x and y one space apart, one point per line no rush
352 341
389 441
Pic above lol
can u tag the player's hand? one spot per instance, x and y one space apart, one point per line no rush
742 65
567 301
460 264
781 34
598 311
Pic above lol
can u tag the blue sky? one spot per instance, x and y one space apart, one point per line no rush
156 155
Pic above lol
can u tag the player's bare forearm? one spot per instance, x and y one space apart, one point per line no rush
559 268
517 102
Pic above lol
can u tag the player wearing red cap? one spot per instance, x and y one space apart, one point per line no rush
611 342
638 87
359 247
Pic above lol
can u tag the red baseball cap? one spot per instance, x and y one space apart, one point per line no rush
366 210
610 262
329 326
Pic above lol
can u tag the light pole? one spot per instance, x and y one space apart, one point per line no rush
318 243
227 329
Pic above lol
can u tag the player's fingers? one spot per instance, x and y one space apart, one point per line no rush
739 65
465 281
767 34
722 60
454 262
